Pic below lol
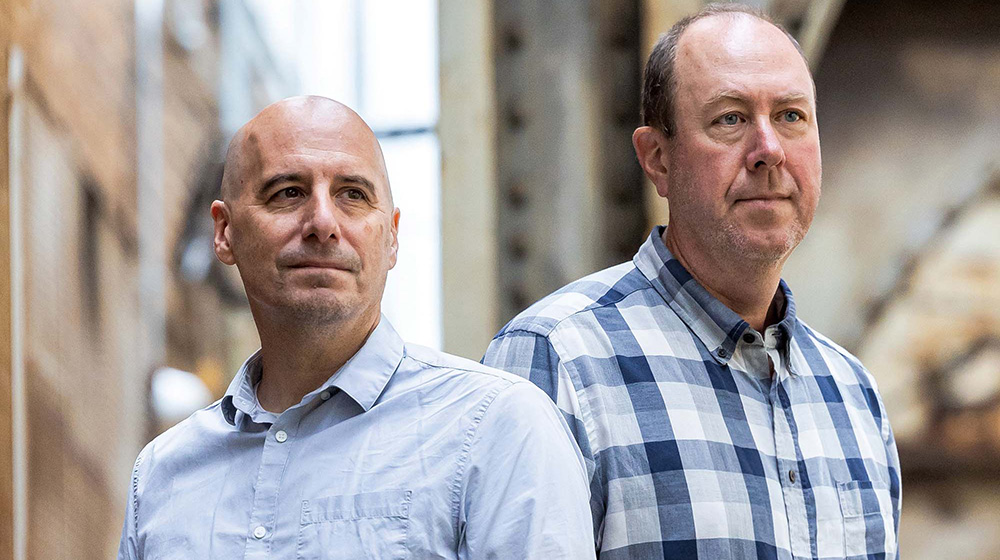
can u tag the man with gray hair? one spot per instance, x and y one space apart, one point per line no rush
336 440
715 423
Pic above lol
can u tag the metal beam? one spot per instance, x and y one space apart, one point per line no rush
570 189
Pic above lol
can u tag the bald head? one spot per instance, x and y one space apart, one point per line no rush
285 125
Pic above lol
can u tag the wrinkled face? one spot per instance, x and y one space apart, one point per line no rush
308 218
743 171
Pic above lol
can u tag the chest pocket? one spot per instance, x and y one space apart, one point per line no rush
868 521
371 525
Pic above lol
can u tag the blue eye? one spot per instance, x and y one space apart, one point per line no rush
730 119
792 116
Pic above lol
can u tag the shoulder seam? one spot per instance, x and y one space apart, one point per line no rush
135 494
484 371
535 329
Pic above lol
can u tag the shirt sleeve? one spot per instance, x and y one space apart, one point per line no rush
895 481
532 356
128 546
525 486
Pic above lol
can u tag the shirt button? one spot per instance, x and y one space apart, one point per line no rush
259 532
325 395
281 436
723 354
791 476
748 338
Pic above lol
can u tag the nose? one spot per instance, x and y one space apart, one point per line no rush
320 220
765 150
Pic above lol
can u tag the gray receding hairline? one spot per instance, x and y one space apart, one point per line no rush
659 81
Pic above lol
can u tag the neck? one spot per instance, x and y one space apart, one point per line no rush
750 289
297 357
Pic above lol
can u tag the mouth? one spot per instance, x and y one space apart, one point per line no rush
318 265
763 200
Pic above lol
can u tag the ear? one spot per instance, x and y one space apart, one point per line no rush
652 148
394 233
222 239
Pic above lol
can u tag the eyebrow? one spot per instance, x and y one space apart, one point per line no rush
280 178
294 177
357 179
731 95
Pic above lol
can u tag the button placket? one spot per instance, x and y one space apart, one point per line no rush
267 490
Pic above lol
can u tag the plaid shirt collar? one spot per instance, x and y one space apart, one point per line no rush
718 327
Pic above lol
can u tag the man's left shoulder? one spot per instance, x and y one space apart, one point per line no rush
835 354
846 371
481 387
461 369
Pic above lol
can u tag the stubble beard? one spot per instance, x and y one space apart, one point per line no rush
317 312
735 241
727 239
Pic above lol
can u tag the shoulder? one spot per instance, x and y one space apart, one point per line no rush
842 362
577 300
487 386
188 440
458 371
846 371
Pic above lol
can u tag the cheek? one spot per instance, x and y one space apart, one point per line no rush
370 240
714 167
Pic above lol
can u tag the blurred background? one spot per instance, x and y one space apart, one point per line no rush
506 127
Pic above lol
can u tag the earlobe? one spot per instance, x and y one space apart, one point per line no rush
222 240
651 149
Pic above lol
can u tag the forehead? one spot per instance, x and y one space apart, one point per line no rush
284 142
739 53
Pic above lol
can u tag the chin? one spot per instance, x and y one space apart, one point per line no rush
319 310
762 247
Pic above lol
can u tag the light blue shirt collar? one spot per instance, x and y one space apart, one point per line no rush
363 377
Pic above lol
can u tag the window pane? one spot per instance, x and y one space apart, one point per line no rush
412 299
399 76
328 62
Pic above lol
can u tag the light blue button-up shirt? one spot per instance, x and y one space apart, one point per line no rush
403 453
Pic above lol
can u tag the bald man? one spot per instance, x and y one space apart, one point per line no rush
336 439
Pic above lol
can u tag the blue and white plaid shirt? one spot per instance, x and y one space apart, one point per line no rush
694 450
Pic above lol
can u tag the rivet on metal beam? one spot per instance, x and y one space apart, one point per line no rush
519 298
517 194
518 246
515 118
626 117
620 39
513 40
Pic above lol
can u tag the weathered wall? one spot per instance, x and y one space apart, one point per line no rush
902 264
85 381
6 413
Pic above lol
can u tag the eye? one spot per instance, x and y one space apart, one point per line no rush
355 194
729 119
792 116
288 193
